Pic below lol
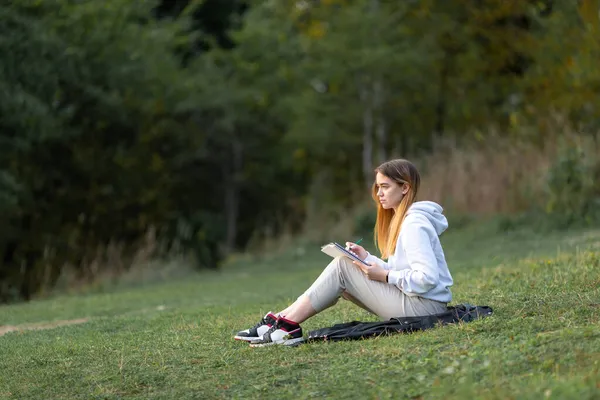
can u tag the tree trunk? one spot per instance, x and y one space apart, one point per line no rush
381 130
367 150
589 12
440 108
378 100
382 138
366 90
232 193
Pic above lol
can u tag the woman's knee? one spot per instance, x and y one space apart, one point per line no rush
341 263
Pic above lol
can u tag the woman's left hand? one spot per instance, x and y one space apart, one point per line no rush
374 272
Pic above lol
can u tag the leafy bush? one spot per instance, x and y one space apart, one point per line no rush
364 220
572 184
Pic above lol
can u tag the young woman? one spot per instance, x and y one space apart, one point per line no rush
414 281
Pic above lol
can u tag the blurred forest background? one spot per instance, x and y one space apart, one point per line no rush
138 129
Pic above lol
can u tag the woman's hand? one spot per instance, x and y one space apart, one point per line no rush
356 249
374 272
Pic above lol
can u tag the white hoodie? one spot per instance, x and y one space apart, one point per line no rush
418 266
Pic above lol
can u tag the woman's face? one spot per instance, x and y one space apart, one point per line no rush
389 193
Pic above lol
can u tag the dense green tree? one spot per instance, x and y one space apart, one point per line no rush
88 130
216 122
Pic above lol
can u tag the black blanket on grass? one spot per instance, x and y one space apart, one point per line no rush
363 330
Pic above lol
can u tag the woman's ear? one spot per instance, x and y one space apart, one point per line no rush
405 188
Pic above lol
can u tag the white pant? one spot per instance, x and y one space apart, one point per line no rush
343 278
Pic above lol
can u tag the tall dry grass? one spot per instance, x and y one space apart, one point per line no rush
498 174
495 175
151 260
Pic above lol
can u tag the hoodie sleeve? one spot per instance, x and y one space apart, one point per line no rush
423 274
371 258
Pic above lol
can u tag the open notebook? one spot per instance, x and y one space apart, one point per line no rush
337 250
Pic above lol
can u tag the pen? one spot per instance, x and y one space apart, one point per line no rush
358 241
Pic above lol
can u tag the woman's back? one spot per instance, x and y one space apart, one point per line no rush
418 266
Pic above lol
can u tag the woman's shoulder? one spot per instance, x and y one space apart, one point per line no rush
426 215
416 221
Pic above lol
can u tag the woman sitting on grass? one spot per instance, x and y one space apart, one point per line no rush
414 281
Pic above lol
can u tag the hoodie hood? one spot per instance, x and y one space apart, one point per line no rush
433 212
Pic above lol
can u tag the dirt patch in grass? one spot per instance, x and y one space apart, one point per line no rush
4 329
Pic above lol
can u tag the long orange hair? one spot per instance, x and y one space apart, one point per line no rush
389 222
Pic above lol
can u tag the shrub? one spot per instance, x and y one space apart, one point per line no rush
572 183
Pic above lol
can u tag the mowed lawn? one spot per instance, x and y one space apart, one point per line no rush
174 340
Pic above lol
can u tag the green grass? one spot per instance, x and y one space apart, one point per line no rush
174 340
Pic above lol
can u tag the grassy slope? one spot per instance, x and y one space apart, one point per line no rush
174 340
